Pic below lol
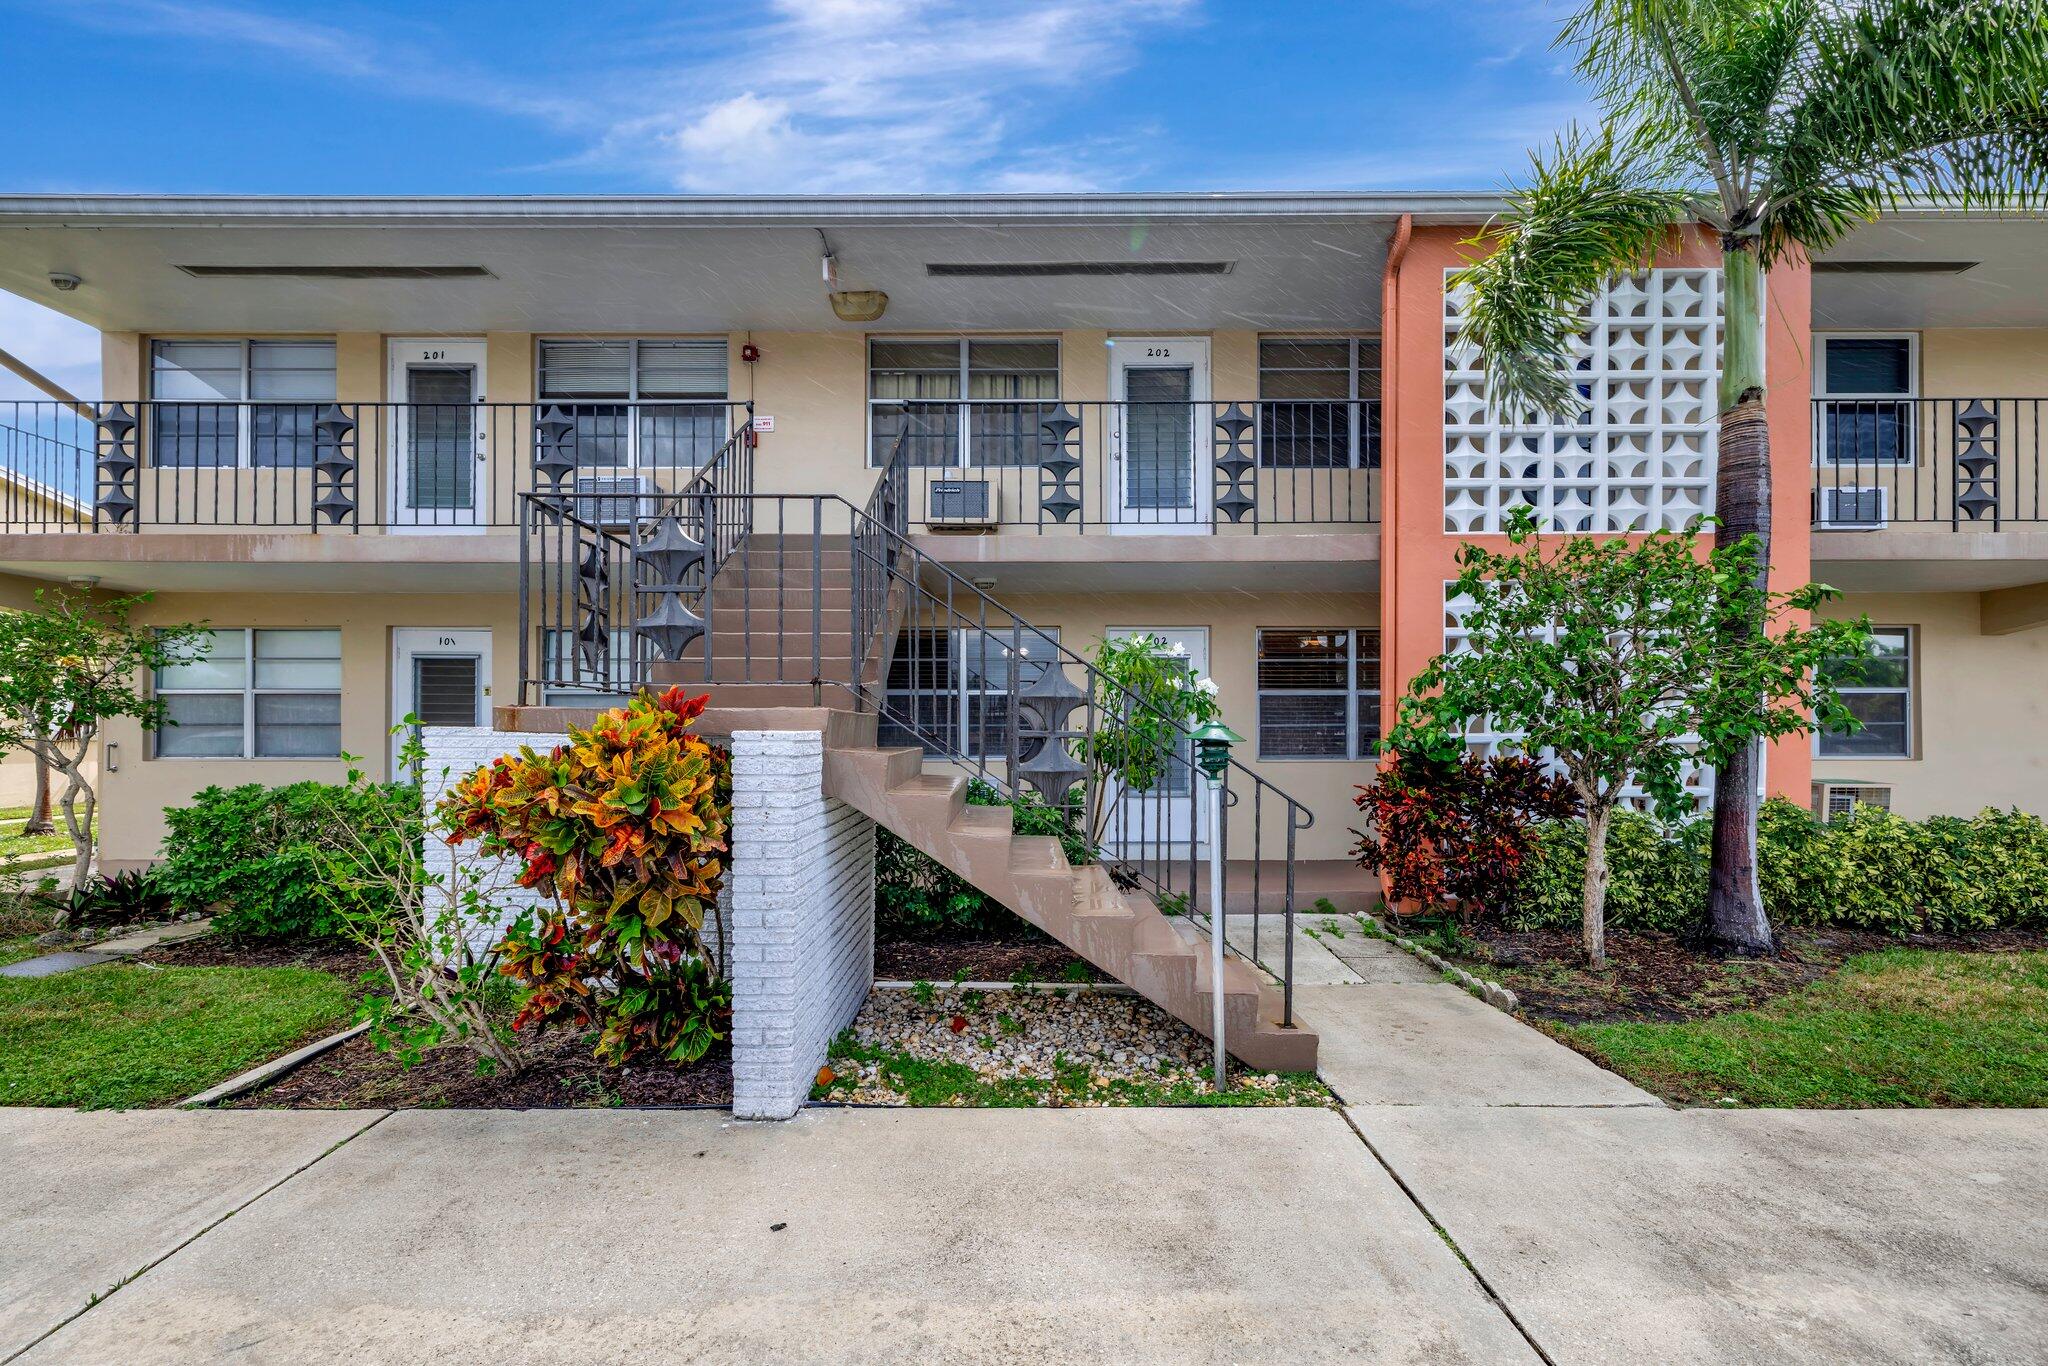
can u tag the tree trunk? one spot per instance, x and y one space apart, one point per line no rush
1735 910
76 822
1594 920
39 819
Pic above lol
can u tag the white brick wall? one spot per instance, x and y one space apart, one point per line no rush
803 916
799 897
453 753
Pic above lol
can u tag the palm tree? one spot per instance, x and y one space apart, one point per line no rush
1779 125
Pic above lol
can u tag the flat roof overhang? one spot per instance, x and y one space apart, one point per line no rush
656 264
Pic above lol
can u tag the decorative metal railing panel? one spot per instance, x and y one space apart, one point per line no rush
126 466
1973 463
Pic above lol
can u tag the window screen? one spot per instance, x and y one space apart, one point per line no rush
200 419
1319 403
613 391
916 390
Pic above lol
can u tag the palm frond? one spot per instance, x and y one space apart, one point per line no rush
1596 206
1902 100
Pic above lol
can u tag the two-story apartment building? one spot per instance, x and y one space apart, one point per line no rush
1243 423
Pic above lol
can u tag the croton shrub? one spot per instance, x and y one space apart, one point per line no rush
624 829
1457 834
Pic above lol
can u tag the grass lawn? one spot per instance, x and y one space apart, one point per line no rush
129 1035
23 853
1899 1027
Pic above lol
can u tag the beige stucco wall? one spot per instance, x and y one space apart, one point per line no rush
1981 733
139 787
1233 619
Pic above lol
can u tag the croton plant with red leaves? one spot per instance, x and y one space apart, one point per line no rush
1455 836
624 829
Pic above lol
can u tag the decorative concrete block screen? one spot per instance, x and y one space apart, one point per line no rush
1639 455
799 897
1487 740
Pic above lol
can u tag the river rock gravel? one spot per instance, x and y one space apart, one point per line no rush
1046 1035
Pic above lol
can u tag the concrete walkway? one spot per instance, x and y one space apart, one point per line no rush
105 950
607 1236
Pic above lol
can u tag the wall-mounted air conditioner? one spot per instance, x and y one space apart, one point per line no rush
1853 509
619 508
974 504
1834 800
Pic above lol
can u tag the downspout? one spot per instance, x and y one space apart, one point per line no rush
1390 428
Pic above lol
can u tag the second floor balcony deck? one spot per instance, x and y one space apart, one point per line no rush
1040 468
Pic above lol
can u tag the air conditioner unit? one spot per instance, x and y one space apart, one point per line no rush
964 503
1853 509
1834 800
620 508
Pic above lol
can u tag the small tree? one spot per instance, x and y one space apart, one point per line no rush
1148 699
66 669
1606 655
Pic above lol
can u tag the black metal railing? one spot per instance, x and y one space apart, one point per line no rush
838 604
115 466
1973 463
1053 466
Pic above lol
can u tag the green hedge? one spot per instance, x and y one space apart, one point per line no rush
1872 870
258 856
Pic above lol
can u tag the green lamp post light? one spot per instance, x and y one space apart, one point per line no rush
1212 743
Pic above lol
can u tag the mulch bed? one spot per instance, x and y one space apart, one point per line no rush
1661 977
560 1073
982 960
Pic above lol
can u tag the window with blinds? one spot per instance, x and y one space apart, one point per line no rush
1877 687
1319 693
960 401
639 404
1319 403
223 404
254 694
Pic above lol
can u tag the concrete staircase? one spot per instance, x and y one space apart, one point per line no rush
759 669
1122 933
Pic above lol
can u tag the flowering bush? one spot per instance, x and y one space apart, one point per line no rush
624 827
1457 831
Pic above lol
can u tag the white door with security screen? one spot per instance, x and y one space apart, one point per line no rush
1159 446
441 676
440 435
1156 823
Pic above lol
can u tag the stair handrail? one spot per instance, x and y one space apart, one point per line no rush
884 555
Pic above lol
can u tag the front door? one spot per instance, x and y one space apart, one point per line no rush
1158 447
442 677
1161 823
440 435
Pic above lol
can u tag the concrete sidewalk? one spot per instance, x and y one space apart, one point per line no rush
608 1236
1693 1236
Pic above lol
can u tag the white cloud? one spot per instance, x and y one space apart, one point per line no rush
812 95
62 348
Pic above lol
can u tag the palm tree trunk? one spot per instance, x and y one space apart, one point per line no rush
1736 921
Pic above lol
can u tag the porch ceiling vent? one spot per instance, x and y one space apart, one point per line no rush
1892 267
1003 270
365 272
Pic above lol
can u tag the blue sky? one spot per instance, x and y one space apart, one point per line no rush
356 97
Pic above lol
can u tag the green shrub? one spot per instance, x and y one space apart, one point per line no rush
258 856
1868 870
1657 875
919 898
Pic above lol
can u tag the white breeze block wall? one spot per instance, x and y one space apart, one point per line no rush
803 917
